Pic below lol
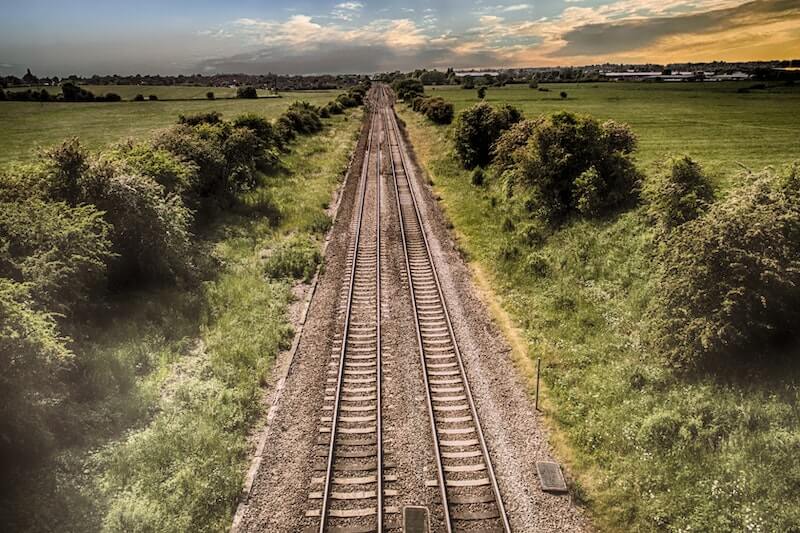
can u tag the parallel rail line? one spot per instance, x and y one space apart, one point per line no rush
470 494
354 458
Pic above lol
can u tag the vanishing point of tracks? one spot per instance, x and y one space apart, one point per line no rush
351 488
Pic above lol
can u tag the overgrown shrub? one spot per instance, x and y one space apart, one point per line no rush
64 165
408 88
150 232
169 171
152 97
439 111
60 252
504 150
138 98
296 257
571 165
678 192
729 280
226 157
209 117
32 354
246 92
476 130
72 93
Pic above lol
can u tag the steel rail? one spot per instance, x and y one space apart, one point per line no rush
392 121
437 452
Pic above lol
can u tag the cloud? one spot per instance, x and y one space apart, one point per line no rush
516 7
618 36
623 30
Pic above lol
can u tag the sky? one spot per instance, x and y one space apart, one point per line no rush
313 36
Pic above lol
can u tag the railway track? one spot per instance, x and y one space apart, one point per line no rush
352 492
350 483
469 491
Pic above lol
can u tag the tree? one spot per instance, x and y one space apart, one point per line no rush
210 95
29 78
481 93
468 83
563 95
438 110
570 164
678 193
407 88
138 98
477 129
152 97
246 92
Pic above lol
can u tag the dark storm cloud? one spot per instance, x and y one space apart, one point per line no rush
612 37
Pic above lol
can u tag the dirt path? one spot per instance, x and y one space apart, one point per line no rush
279 499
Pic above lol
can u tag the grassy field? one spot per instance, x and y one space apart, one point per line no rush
650 450
163 92
176 384
28 125
711 122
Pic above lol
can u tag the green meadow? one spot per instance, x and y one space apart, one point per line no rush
713 122
29 125
648 449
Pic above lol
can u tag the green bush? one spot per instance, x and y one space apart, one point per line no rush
504 150
729 280
210 95
476 131
226 155
334 108
678 193
296 257
304 118
209 117
59 252
32 354
202 146
439 111
63 166
150 232
481 93
346 100
408 88
175 175
138 98
246 92
571 165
